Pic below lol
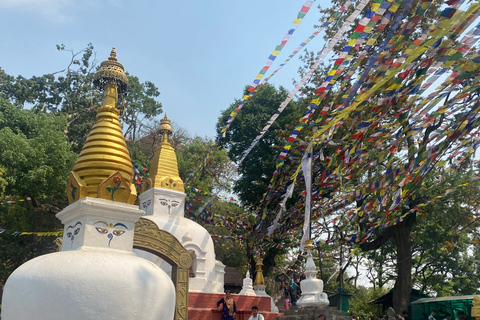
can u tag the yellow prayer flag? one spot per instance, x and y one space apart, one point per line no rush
394 8
448 64
440 163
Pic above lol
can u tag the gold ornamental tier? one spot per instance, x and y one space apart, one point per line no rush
164 168
259 280
104 168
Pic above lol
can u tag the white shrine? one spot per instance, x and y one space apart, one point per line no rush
312 288
96 275
247 288
164 204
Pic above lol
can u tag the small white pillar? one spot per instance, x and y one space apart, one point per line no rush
247 288
312 288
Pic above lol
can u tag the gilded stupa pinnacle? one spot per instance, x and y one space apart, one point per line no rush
164 168
104 168
259 281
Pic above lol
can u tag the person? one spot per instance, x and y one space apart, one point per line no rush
228 308
286 304
405 315
322 317
255 315
432 315
447 316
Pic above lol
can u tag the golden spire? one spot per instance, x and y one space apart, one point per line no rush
104 168
164 168
259 281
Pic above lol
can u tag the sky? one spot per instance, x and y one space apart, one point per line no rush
200 54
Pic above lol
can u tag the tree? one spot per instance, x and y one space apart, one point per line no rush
444 257
255 170
69 93
360 304
36 159
378 135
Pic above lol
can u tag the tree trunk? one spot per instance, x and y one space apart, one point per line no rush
403 283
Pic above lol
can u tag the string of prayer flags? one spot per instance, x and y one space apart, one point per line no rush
387 111
271 58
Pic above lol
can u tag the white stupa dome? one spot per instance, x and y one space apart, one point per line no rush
86 284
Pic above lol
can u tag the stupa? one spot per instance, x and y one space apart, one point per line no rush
312 288
259 285
96 275
247 288
164 204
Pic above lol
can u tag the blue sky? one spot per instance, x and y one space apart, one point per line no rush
200 54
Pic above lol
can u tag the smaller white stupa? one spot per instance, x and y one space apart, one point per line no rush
164 204
259 285
247 288
312 288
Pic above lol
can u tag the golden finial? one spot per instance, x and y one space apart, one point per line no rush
259 281
113 55
308 245
164 168
165 128
104 168
111 71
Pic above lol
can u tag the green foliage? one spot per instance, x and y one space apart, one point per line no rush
255 171
142 102
70 93
190 156
444 257
360 304
34 153
229 250
3 182
35 160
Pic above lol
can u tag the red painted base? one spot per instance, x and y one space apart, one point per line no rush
203 306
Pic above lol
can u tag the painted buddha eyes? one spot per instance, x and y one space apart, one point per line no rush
73 230
169 204
101 230
118 232
112 233
105 230
69 234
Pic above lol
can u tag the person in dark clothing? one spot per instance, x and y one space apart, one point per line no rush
228 308
405 315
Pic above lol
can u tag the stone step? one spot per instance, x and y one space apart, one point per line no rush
203 306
